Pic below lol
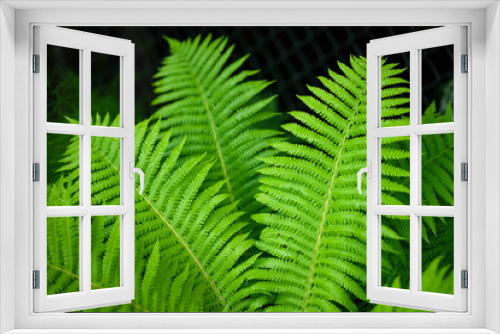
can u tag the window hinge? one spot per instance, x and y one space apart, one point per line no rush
465 64
36 63
464 171
36 172
36 279
465 279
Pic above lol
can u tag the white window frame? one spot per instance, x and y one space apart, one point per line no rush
86 44
483 211
414 43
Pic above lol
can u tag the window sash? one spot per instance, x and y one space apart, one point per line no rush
86 297
413 43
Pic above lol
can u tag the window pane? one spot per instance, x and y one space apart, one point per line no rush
105 81
437 254
395 170
395 80
63 255
395 232
63 170
63 84
105 256
437 169
105 171
437 84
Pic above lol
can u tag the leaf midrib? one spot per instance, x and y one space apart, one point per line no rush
427 163
325 209
212 126
190 252
178 236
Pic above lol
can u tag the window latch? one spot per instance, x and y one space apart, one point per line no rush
368 171
134 170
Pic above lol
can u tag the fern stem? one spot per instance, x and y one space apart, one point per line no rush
425 164
69 273
325 209
437 156
193 256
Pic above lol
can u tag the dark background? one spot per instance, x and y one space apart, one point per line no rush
293 56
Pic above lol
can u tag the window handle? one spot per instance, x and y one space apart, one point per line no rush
368 171
134 170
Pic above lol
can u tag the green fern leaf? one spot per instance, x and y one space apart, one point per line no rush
185 229
316 234
213 106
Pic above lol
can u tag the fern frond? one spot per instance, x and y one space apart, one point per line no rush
187 232
315 235
218 111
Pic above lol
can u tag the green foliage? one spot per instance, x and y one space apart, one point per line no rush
437 189
213 106
316 234
105 251
437 161
190 252
62 255
204 159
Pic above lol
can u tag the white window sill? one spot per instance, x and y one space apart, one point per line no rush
251 331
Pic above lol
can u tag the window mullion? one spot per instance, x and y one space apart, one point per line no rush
425 129
85 183
421 211
418 157
414 171
81 174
